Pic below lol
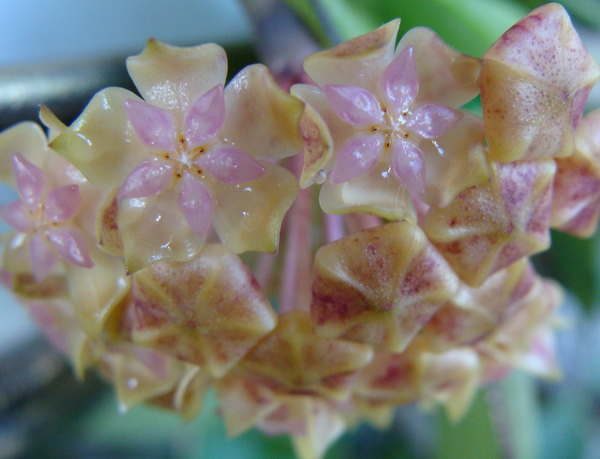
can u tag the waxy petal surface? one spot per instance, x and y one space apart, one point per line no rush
356 157
475 312
173 78
535 81
455 161
398 85
377 192
154 126
576 202
379 286
231 165
354 105
27 139
62 203
43 260
16 215
408 165
312 364
489 226
446 76
138 374
154 229
101 142
432 120
149 178
204 118
248 215
357 62
196 204
32 183
261 119
71 244
209 311
95 293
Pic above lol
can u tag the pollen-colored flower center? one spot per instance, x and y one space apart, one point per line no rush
184 158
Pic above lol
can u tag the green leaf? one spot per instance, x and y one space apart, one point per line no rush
473 437
575 263
470 26
518 416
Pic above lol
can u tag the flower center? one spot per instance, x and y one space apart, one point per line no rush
184 158
393 126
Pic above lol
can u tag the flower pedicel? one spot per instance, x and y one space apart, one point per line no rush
146 241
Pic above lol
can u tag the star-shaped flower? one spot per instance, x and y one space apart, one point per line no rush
190 155
383 126
43 215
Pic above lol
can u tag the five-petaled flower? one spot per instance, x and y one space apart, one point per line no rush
43 216
387 122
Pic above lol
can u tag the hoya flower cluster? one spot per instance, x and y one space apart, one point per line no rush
319 257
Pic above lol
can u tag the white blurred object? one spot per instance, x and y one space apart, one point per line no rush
39 31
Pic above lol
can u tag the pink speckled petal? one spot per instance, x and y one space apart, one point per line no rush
149 178
432 120
196 204
409 166
154 126
204 118
31 181
62 203
356 157
534 83
231 165
71 246
399 82
42 258
354 105
16 215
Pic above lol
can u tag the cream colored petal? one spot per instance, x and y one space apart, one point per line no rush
107 230
379 286
101 142
446 76
26 138
173 78
451 379
322 130
248 216
454 161
209 311
534 84
50 120
378 192
490 226
261 118
357 62
95 292
154 229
